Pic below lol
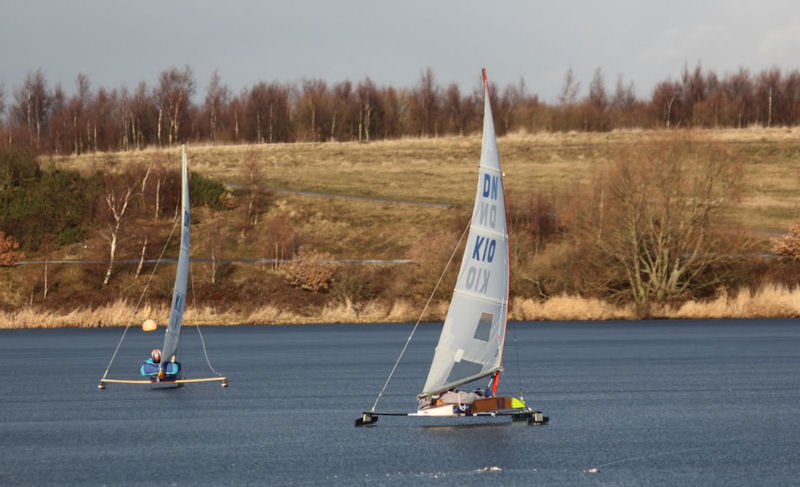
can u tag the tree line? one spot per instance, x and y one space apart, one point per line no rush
172 110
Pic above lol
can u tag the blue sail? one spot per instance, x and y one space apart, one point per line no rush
173 334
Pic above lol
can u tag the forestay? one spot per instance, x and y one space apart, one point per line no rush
172 337
471 344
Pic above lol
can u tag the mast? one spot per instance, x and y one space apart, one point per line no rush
473 336
172 336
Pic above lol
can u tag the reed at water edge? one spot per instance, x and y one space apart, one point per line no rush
769 301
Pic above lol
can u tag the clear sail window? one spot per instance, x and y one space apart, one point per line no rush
484 329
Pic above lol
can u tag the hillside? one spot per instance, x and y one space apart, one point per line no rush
412 201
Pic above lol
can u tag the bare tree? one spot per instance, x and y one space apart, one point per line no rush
739 92
453 109
655 212
343 110
47 249
216 240
595 116
624 97
76 108
424 103
32 107
256 199
693 91
173 96
598 97
313 111
769 92
117 205
267 112
278 239
569 90
2 109
216 99
666 97
366 97
623 103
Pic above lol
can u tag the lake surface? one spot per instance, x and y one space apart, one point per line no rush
645 403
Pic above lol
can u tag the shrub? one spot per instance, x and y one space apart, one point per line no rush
310 270
206 191
18 166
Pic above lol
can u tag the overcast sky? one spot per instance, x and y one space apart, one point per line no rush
120 43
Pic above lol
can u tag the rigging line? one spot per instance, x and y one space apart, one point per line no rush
196 325
203 342
519 368
141 298
430 298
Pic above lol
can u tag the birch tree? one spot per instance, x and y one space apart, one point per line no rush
117 200
216 236
216 100
32 107
257 198
173 99
569 90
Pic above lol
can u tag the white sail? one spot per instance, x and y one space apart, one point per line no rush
173 334
472 339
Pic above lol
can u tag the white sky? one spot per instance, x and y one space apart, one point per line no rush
120 43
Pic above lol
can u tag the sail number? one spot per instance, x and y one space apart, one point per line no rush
484 249
490 185
486 211
478 279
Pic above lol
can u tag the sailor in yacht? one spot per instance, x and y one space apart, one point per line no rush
152 365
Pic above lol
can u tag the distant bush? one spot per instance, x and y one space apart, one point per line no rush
18 165
35 202
206 192
8 250
788 245
310 271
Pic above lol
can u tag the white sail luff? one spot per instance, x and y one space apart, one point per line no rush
172 336
473 335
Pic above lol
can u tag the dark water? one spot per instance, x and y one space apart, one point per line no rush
657 403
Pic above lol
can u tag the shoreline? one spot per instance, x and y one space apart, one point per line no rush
770 301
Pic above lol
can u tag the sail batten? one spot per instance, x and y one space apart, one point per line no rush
172 335
471 344
487 232
480 297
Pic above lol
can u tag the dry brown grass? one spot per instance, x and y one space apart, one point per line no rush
120 314
771 301
563 307
443 169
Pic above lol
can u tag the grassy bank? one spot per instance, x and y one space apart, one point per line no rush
442 170
398 172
